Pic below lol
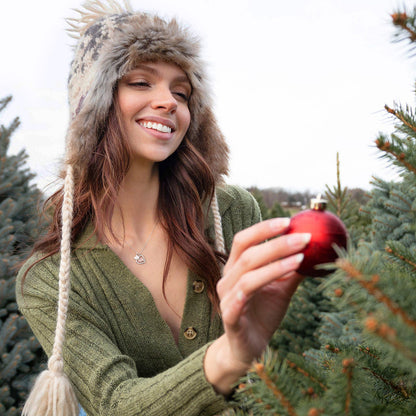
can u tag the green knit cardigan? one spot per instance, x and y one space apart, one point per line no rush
119 353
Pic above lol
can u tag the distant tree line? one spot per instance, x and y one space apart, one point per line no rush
271 197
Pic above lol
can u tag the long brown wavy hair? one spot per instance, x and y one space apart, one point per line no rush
186 183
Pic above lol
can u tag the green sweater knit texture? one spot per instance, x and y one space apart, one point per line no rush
119 353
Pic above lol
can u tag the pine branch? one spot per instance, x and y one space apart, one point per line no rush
338 198
243 387
314 412
366 351
333 349
396 195
306 374
395 207
259 369
364 211
399 256
4 102
389 335
334 196
402 20
370 286
386 147
386 224
397 388
348 365
401 116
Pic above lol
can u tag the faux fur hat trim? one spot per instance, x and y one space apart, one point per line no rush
112 41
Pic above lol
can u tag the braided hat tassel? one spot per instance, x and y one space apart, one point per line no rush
219 238
53 394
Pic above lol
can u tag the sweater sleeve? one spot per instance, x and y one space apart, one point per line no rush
241 211
105 380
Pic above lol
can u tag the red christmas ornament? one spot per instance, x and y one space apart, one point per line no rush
326 230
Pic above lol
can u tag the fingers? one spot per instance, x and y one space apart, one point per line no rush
254 280
253 264
255 235
236 298
256 260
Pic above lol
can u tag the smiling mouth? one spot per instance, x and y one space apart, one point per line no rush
155 126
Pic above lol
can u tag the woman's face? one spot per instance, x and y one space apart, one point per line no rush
153 99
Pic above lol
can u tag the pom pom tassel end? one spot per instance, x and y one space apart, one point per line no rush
52 395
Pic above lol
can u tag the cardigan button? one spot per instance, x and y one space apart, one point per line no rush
190 333
198 286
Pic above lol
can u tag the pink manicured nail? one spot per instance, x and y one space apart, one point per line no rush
296 240
299 257
280 223
294 260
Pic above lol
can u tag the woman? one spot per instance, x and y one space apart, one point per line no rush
168 285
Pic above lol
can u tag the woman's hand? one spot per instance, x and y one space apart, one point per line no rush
258 283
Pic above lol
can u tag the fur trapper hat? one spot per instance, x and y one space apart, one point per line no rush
111 41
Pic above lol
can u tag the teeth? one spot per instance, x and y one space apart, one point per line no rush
156 126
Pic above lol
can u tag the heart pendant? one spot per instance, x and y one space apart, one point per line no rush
140 259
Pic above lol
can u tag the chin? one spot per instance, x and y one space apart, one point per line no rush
152 153
150 158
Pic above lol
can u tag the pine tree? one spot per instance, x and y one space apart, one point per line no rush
20 353
366 363
266 213
298 331
278 211
342 204
260 200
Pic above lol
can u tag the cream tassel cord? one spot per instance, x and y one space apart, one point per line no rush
219 238
53 394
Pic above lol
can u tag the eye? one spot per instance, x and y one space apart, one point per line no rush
182 95
182 91
140 84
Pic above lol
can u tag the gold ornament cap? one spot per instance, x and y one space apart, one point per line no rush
318 203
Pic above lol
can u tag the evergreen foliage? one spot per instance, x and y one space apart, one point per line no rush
276 209
20 353
260 200
298 331
366 362
347 208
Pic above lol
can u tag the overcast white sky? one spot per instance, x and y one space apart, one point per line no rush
294 82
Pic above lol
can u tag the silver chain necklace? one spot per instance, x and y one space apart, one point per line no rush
139 257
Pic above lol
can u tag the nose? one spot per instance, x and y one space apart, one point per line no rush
164 99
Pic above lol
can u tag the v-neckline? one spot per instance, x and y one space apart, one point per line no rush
144 289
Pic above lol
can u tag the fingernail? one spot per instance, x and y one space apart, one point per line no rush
299 257
306 237
280 223
294 261
240 295
299 239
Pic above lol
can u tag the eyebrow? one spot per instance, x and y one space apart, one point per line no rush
179 78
